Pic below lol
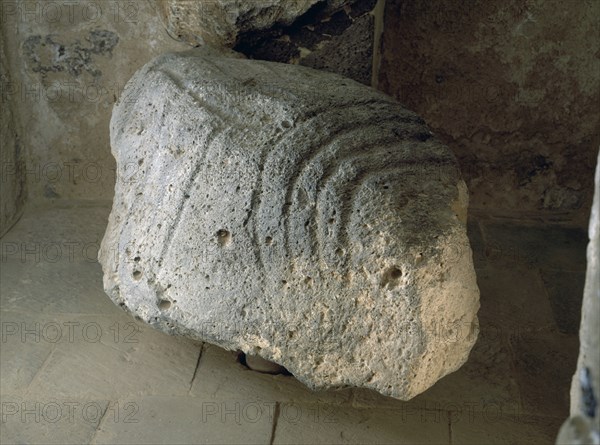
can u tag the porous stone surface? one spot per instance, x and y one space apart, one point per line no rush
291 214
349 54
339 40
332 35
219 22
584 424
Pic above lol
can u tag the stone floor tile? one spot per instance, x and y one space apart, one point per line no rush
328 424
110 357
23 350
544 367
520 362
565 291
220 375
48 420
186 420
503 428
53 287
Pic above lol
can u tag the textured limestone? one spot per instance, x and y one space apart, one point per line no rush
294 215
349 54
584 424
219 22
340 41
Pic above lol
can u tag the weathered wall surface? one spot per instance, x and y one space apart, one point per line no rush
12 179
589 334
584 424
330 35
69 62
512 87
220 22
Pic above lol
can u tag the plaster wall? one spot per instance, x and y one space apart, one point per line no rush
12 179
68 62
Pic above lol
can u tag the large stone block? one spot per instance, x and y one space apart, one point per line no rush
292 214
220 22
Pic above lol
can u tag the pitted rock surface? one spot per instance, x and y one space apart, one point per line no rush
292 214
220 22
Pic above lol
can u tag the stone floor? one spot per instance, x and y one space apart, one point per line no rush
76 369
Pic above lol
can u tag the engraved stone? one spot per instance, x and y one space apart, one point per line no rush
294 215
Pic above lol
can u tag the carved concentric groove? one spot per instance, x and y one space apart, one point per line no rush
307 161
279 150
328 154
353 186
318 195
224 122
329 165
384 145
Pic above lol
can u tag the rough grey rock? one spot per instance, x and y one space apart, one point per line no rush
219 22
292 214
340 42
349 54
584 424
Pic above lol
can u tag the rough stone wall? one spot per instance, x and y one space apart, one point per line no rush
12 178
589 334
583 426
330 35
333 38
512 87
69 62
220 22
